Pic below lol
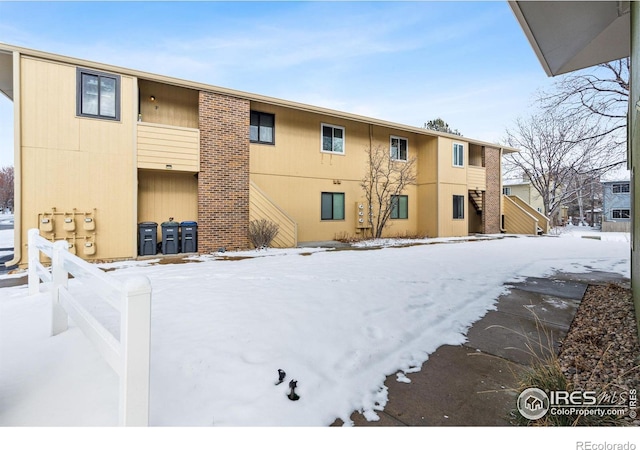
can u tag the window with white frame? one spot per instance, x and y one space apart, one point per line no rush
620 188
458 206
332 138
399 148
621 214
262 128
506 190
458 155
399 206
97 94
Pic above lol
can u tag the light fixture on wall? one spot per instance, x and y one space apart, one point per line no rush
152 98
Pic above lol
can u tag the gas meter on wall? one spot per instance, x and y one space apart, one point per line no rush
362 211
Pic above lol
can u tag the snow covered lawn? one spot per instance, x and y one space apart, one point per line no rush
6 236
336 321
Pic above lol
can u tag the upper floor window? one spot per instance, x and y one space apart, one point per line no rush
458 155
506 190
332 138
620 188
399 148
262 127
97 94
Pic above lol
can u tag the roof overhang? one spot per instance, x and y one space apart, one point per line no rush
6 74
573 35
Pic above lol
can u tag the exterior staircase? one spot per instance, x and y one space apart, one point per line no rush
477 200
521 218
262 207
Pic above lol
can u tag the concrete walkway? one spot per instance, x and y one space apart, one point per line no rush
475 384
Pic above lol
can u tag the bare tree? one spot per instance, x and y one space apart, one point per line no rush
555 151
6 188
386 178
586 193
600 93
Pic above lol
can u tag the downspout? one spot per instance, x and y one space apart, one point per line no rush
502 229
136 122
17 163
438 181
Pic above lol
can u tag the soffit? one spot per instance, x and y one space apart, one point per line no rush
573 35
6 74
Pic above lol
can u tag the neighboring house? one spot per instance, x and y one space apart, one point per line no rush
101 149
528 194
526 191
616 206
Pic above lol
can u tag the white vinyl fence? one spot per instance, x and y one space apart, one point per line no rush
128 355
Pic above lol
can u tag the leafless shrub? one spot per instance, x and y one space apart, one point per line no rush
262 232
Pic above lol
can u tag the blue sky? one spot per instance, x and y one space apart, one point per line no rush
407 62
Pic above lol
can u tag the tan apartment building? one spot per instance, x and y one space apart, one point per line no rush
100 149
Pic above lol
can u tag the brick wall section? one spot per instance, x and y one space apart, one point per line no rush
491 215
223 181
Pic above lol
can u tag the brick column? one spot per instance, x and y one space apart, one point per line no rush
223 181
491 214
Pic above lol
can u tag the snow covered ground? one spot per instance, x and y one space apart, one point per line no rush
336 321
6 236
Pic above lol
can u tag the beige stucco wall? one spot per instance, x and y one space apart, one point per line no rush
428 187
294 172
90 165
452 181
72 162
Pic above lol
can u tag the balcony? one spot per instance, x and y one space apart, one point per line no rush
167 147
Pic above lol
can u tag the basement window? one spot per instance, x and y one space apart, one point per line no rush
97 94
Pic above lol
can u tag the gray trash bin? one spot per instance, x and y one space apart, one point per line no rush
147 238
170 237
189 236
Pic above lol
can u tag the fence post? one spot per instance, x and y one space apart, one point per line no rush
135 329
59 317
34 258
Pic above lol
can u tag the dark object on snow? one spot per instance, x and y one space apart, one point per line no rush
281 375
293 384
222 250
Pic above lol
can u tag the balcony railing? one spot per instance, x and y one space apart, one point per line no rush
476 178
166 147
